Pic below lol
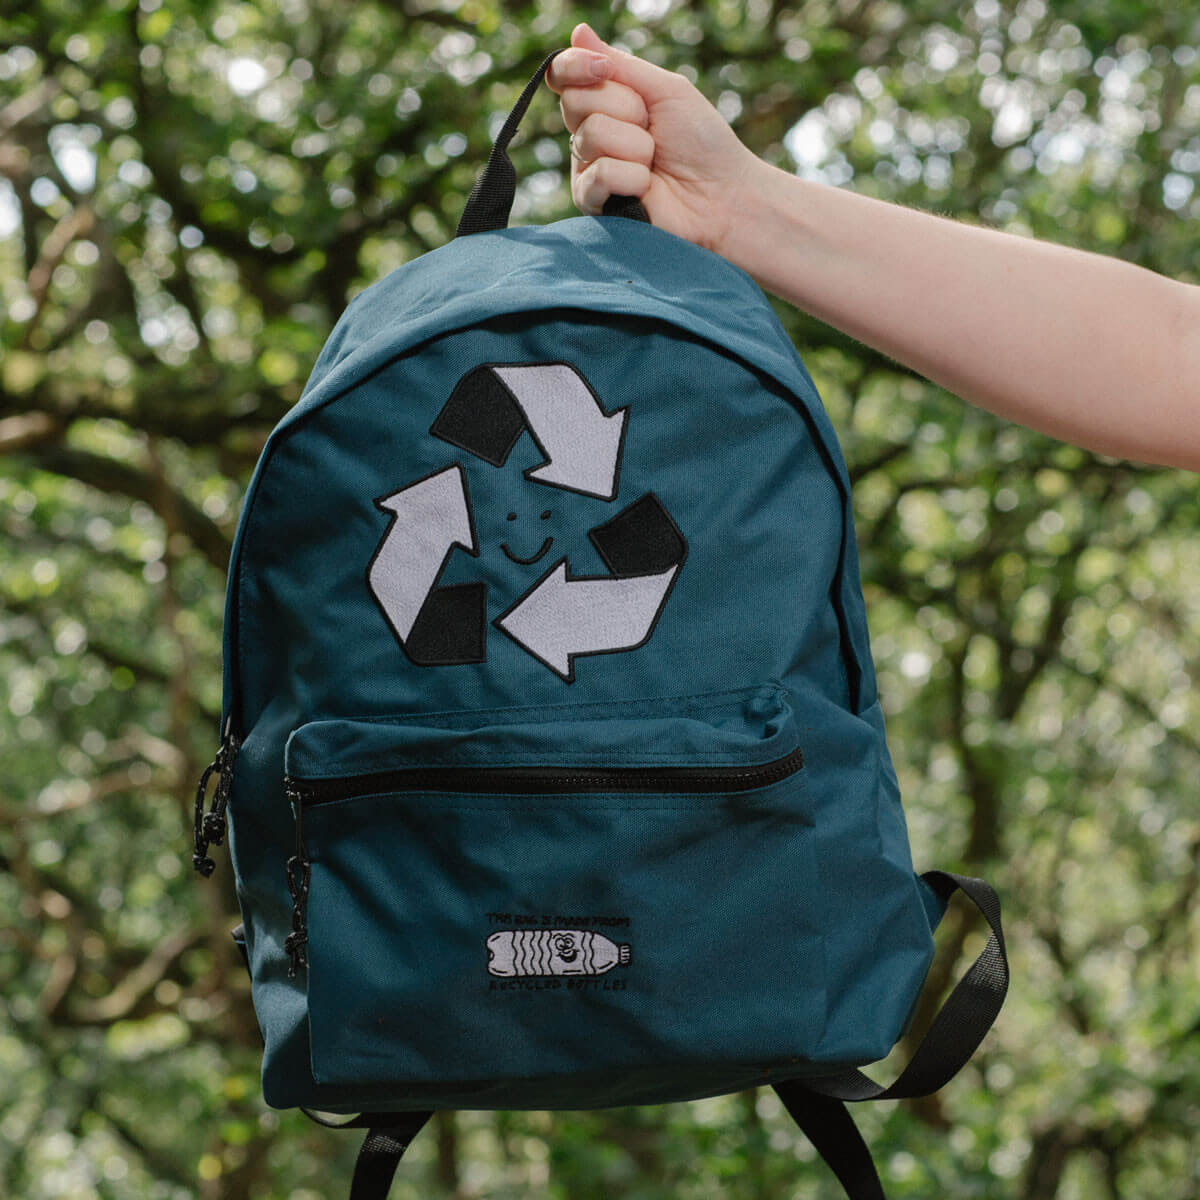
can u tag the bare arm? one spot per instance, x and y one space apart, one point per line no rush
1090 349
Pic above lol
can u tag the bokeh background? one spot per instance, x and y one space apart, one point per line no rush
190 192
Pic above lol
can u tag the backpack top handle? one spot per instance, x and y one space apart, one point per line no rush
490 203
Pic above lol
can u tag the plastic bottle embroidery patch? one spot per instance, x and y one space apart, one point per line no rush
514 952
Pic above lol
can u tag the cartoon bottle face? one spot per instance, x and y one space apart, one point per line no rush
553 952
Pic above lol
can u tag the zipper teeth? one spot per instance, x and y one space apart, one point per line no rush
546 779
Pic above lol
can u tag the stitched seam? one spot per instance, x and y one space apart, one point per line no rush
804 819
581 802
566 781
388 759
588 706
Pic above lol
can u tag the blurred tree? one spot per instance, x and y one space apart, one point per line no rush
190 191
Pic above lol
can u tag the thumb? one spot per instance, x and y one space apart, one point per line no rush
650 82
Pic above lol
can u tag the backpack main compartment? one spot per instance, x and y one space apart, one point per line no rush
492 914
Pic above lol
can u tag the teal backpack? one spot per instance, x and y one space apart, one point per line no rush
552 760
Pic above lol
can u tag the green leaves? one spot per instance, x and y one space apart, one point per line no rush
192 192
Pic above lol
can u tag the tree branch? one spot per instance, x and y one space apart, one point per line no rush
142 980
110 475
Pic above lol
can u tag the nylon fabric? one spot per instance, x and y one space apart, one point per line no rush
316 527
746 726
381 975
659 278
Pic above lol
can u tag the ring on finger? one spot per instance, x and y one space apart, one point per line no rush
575 153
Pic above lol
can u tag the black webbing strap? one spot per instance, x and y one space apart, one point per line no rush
962 1022
828 1125
816 1104
491 199
381 1153
389 1134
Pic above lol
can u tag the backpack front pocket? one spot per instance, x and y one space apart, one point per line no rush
608 888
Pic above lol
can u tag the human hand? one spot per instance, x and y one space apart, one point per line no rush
650 133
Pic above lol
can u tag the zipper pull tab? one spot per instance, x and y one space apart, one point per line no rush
296 942
200 860
298 873
210 827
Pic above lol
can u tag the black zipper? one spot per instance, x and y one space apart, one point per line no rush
303 793
543 780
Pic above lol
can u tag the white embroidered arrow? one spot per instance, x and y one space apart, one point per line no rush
431 517
562 617
582 442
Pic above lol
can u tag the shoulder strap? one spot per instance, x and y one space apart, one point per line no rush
389 1135
381 1152
828 1125
816 1103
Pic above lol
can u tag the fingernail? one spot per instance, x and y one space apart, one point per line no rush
601 67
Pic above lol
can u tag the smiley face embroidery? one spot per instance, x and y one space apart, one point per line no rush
532 559
560 616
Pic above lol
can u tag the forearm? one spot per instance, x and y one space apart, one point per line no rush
1089 349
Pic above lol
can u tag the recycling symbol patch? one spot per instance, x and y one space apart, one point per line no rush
560 615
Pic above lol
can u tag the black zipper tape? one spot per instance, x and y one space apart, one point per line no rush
546 779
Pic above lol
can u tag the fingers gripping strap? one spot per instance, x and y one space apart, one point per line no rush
961 1024
827 1124
381 1153
491 199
